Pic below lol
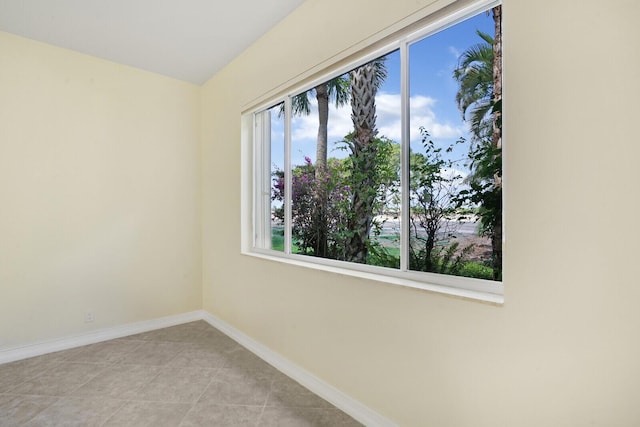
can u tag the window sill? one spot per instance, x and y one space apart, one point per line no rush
494 296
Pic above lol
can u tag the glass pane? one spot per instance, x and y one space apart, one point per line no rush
276 120
451 122
345 135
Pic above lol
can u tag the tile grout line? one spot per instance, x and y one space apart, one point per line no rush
55 364
58 399
124 402
104 368
107 365
266 400
195 402
70 393
141 386
113 364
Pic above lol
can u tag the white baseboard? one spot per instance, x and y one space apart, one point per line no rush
351 406
65 343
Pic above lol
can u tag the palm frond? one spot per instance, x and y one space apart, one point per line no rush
300 104
474 75
486 37
339 90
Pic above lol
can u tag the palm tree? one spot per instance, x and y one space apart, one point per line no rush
365 81
479 75
336 89
475 94
360 86
496 141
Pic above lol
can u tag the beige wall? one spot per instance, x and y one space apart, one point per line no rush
99 193
564 348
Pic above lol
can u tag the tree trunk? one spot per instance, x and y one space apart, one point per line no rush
322 96
363 115
321 196
496 238
497 82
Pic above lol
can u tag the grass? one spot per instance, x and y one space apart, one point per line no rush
470 269
277 240
477 270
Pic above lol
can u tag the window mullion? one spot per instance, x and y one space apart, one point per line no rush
405 156
258 149
287 175
265 190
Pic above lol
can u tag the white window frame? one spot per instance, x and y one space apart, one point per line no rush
256 181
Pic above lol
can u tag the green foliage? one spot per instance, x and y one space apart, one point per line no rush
476 270
486 162
446 259
337 188
434 189
384 174
475 76
338 90
382 256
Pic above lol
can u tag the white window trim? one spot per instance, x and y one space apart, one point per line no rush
254 162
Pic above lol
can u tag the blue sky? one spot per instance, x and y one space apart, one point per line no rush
432 98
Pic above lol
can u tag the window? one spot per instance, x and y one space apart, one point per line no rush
392 167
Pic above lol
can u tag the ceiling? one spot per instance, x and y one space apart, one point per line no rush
189 40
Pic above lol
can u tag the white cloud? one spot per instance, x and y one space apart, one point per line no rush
306 127
421 114
455 52
388 108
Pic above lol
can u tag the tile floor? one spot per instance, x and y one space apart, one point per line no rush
186 375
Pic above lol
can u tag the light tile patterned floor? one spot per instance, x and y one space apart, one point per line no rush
186 375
